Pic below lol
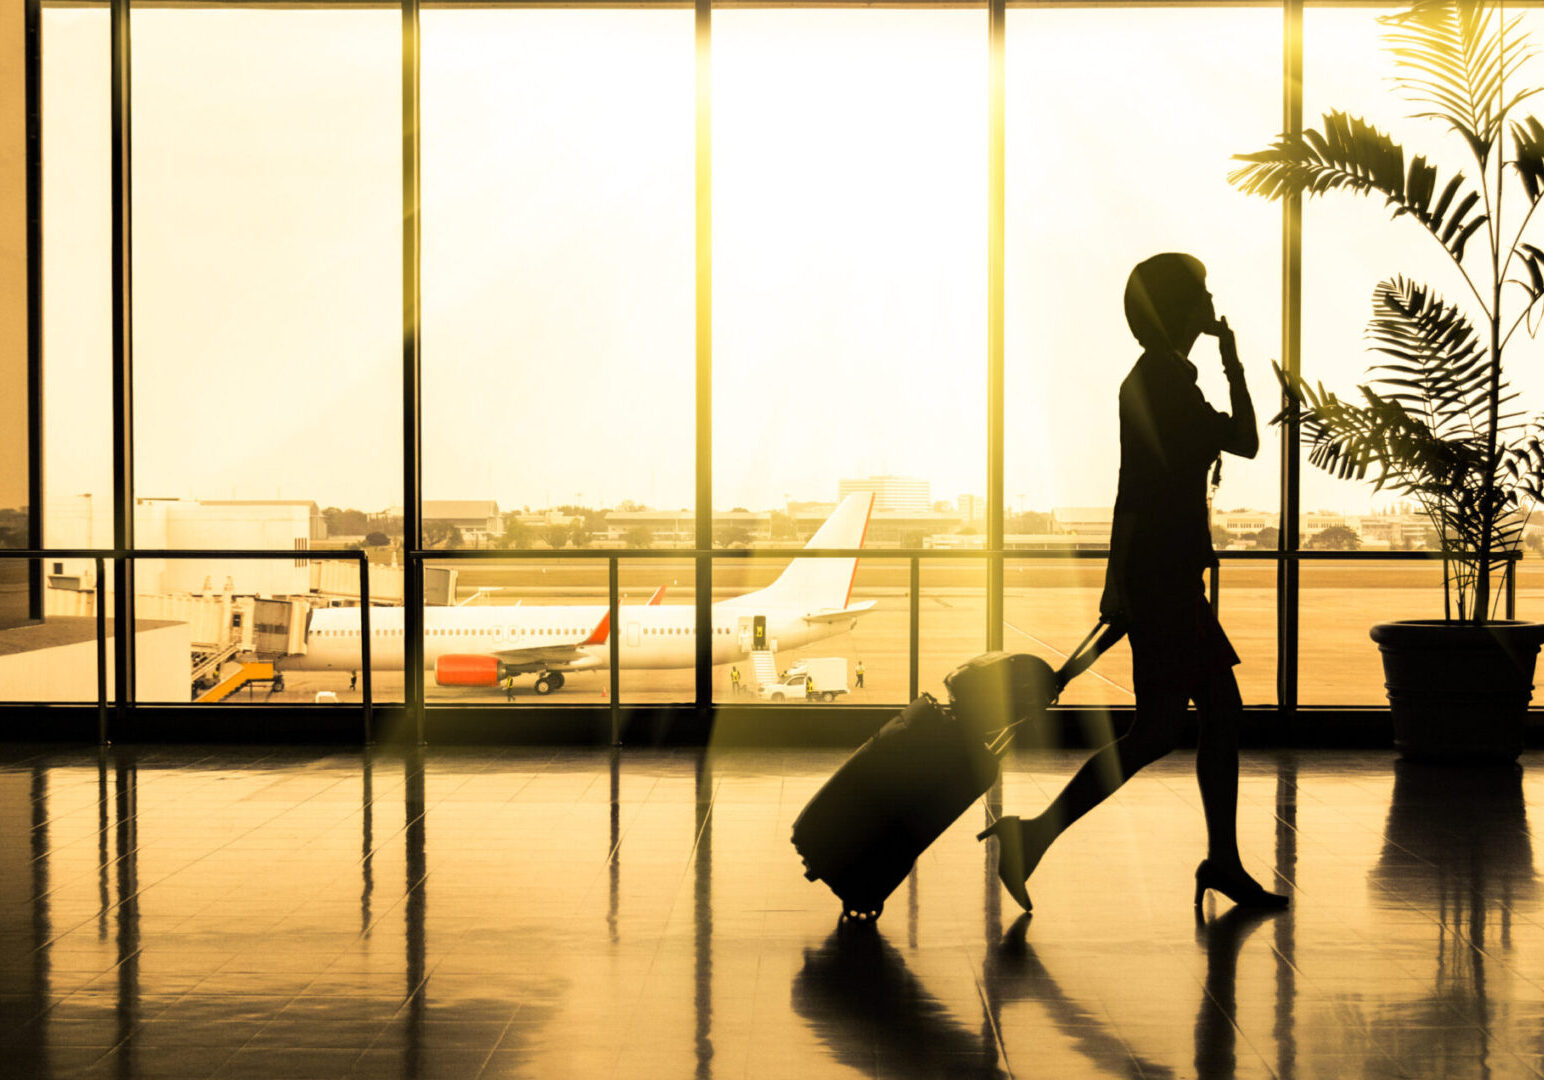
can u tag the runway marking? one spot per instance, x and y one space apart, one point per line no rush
1058 652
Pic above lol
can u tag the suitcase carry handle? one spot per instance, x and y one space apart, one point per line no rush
1094 645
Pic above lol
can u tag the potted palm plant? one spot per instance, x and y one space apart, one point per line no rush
1436 421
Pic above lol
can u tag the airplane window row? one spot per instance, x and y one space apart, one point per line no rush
442 633
489 632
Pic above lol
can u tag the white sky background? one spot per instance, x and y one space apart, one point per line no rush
850 256
849 243
558 257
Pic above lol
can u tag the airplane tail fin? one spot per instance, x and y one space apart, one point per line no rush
826 584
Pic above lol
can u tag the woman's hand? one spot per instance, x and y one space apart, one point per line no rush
1225 341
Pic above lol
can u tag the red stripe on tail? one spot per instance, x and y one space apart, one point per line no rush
601 632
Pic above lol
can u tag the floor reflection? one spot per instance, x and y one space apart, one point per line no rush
1456 849
863 1003
1216 1028
367 839
1283 1028
415 836
1456 843
1014 973
126 853
641 914
702 919
26 917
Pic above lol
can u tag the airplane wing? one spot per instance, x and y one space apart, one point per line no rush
837 616
538 658
556 656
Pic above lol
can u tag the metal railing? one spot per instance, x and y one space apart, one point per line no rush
915 558
614 557
99 557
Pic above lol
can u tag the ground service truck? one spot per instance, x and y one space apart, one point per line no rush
815 678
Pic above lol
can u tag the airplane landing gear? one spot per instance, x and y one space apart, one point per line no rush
548 681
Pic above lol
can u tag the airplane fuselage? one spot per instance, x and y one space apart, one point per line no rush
483 645
661 636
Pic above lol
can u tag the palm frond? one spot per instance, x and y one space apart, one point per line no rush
1528 160
1458 56
1352 155
1377 439
1437 368
1525 464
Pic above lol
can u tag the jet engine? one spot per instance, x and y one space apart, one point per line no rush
466 669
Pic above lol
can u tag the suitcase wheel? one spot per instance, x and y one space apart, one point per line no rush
860 913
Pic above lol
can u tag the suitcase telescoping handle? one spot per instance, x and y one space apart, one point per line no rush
1084 655
1091 648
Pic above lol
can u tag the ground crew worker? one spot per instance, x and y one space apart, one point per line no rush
860 674
809 686
509 688
734 681
353 679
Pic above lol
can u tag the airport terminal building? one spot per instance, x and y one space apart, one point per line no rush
474 471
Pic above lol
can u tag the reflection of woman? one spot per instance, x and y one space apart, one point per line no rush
1160 546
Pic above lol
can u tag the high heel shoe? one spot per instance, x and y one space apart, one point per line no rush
1238 887
1010 857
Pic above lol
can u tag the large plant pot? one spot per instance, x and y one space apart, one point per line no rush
1459 692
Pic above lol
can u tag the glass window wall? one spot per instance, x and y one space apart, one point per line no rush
266 243
1119 135
1050 604
850 164
77 318
849 155
518 631
1350 246
780 655
558 277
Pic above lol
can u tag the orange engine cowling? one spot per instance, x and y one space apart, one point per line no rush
464 669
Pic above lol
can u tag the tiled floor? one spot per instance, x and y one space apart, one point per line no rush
187 913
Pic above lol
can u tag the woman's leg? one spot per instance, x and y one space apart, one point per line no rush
1156 727
1219 710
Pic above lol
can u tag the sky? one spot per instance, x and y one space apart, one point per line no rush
849 247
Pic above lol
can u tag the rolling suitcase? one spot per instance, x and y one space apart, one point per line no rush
864 829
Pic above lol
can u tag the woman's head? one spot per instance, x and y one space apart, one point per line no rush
1167 304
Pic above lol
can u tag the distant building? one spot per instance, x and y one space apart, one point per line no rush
1391 530
664 528
894 528
1017 542
1311 524
316 524
678 528
972 507
1246 523
901 493
1085 521
228 524
478 519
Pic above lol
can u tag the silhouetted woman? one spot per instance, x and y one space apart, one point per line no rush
1160 546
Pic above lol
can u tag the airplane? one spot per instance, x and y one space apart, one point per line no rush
482 646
